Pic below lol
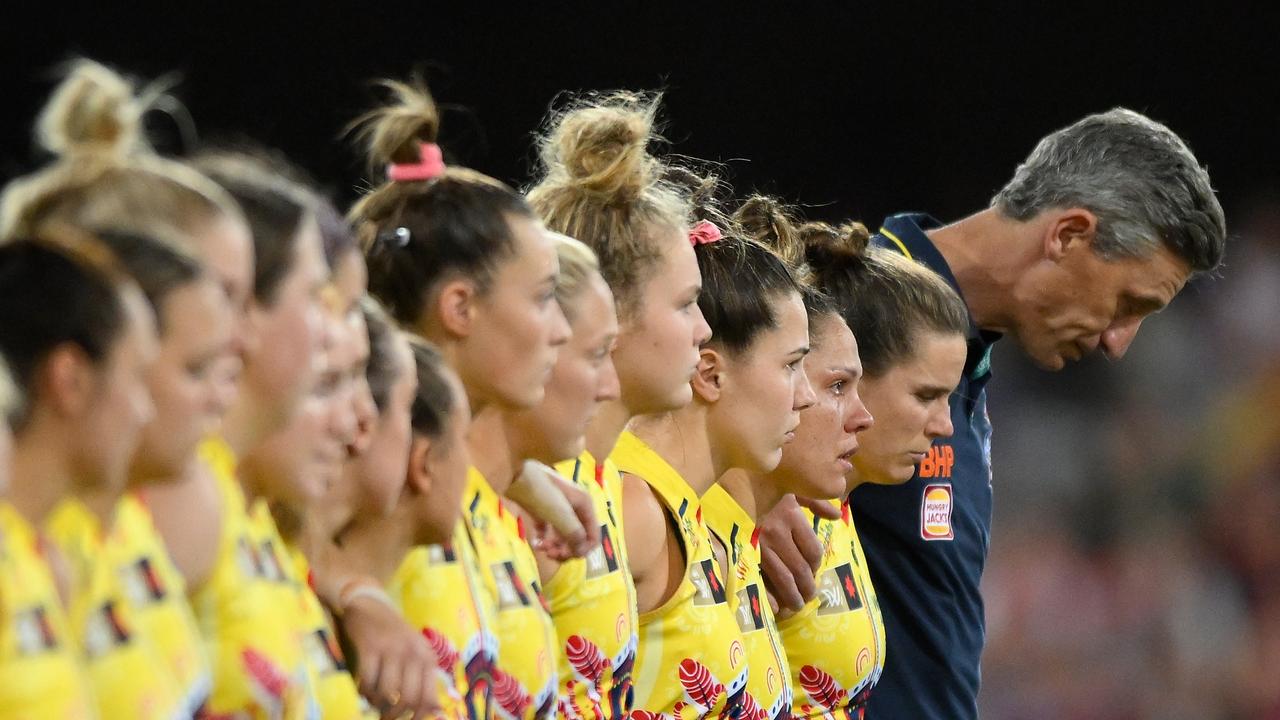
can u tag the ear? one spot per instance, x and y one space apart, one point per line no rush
456 307
1068 230
67 380
708 379
419 478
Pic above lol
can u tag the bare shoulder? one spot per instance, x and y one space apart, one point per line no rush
188 514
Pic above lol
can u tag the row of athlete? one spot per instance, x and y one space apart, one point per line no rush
270 463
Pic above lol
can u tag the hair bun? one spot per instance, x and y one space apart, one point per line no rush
600 145
769 221
93 109
824 243
395 132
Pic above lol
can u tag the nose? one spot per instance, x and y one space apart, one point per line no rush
560 330
939 423
859 418
608 387
802 393
366 412
701 330
1117 338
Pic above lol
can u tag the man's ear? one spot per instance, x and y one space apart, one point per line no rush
1069 230
708 381
455 307
67 380
419 478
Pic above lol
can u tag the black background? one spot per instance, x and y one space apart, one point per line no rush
855 109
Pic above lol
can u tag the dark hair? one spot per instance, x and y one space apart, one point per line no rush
335 232
158 268
771 223
417 232
54 291
382 369
434 401
886 299
275 206
741 278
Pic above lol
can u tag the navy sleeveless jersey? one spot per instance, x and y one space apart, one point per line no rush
926 541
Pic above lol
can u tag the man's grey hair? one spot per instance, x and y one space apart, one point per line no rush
1136 176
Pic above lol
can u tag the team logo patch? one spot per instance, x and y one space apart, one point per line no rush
603 559
511 589
324 652
142 583
750 613
935 513
34 631
710 591
838 591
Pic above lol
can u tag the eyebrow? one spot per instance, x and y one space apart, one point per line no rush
1145 304
801 351
846 369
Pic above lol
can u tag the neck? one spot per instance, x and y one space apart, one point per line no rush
245 425
380 542
680 437
491 452
610 420
985 252
757 494
102 502
42 475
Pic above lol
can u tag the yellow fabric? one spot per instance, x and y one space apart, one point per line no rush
691 661
769 687
593 604
253 642
128 676
157 594
438 590
335 689
836 644
524 681
40 673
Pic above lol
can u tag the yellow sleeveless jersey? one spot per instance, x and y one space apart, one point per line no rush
128 676
157 594
769 688
835 645
691 661
593 604
524 680
253 641
438 590
335 689
40 672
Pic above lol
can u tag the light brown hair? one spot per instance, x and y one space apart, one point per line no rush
597 182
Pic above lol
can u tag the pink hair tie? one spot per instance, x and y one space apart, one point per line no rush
430 165
703 232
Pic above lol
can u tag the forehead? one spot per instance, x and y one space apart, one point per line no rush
833 344
1160 276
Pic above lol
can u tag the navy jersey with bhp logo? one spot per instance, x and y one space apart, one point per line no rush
926 541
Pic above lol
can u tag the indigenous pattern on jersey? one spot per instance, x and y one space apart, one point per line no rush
157 594
593 603
127 675
691 661
927 539
524 680
769 688
438 588
253 642
836 645
40 672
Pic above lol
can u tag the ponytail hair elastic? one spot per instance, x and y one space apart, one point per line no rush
704 232
430 165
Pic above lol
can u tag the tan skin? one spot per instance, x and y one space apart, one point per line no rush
816 464
583 378
656 356
746 407
1041 282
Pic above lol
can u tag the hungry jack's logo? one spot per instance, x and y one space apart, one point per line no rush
935 513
